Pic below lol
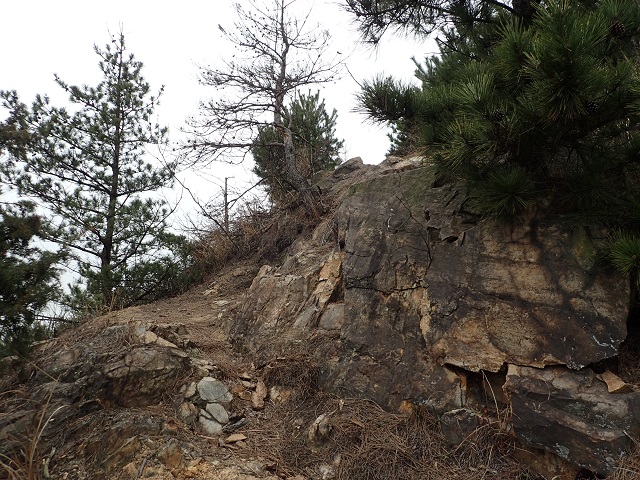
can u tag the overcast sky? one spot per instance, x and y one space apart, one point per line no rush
43 37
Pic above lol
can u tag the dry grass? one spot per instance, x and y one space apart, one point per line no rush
254 232
300 373
367 443
629 467
21 458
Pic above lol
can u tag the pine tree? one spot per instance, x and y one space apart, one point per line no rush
540 106
87 167
28 274
316 146
554 99
28 278
276 55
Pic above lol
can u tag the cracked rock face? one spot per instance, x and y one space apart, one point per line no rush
404 291
411 281
361 296
520 296
572 415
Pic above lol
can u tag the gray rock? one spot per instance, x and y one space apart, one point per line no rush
348 167
572 415
461 425
218 413
333 317
209 425
141 376
212 390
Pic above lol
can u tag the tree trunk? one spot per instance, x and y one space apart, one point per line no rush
302 186
293 174
106 275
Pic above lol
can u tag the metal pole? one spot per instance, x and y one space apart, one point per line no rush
226 206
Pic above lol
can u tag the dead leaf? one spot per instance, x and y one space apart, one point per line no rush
257 397
235 437
614 383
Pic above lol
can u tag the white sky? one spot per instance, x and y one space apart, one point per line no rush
43 37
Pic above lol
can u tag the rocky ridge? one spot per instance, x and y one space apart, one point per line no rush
401 295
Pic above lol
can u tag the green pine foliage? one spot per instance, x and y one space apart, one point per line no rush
624 253
28 274
28 278
505 193
87 167
316 146
551 94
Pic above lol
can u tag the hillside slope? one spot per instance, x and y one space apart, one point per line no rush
400 337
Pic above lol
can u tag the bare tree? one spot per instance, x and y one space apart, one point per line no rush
275 55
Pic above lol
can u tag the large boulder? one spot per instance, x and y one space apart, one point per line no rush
405 279
405 292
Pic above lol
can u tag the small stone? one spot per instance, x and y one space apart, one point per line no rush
214 391
320 431
461 425
150 338
171 455
209 425
130 470
191 390
280 394
236 389
218 413
187 412
614 383
241 392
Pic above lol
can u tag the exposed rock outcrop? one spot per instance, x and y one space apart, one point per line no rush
572 414
401 295
405 293
104 379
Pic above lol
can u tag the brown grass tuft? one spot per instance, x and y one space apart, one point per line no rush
20 456
369 443
254 232
629 467
300 373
